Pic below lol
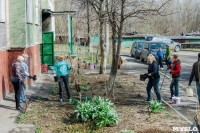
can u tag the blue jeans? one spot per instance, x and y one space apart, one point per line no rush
174 84
198 90
153 83
22 94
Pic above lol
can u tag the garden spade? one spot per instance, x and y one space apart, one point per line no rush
25 100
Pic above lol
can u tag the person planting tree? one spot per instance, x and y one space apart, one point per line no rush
160 55
154 78
18 80
168 55
176 70
62 68
195 72
25 66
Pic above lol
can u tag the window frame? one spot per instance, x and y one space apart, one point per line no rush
37 17
2 11
29 11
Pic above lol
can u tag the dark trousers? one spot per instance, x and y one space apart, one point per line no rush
174 84
17 88
64 79
160 62
168 61
153 83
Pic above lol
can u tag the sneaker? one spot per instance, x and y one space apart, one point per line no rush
148 100
70 100
61 100
20 109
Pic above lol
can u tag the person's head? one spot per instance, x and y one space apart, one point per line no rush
167 46
151 58
174 57
160 48
61 57
25 56
20 59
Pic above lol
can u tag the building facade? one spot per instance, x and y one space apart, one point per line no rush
20 32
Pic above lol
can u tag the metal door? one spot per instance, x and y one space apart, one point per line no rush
47 48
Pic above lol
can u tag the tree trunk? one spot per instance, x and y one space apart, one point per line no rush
102 68
113 73
111 80
88 26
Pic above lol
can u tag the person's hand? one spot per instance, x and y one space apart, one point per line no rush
72 66
21 83
31 77
149 74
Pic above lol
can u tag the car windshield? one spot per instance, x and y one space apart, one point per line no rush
149 38
140 44
157 45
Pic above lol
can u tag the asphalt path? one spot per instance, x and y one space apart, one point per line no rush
188 104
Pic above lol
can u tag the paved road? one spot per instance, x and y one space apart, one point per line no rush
188 105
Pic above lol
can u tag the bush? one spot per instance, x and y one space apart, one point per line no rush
100 112
155 106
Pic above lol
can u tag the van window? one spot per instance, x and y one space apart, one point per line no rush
149 38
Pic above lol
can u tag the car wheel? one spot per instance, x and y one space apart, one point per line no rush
135 56
141 58
177 49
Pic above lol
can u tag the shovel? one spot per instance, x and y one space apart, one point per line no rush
25 100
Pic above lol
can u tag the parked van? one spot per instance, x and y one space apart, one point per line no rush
151 48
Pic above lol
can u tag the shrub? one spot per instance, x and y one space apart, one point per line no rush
99 111
155 106
85 88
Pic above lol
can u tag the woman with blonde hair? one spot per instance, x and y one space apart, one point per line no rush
154 78
62 68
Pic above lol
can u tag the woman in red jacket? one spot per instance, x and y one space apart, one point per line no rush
176 70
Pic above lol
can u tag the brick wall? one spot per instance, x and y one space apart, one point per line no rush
7 58
4 76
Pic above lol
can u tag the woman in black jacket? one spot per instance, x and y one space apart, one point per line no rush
154 78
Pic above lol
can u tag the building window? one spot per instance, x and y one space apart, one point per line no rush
29 11
2 10
37 12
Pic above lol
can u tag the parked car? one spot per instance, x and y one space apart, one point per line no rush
174 45
151 48
136 49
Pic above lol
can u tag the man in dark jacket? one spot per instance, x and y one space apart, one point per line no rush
195 72
176 70
18 79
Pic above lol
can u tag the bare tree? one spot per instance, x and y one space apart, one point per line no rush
98 7
118 11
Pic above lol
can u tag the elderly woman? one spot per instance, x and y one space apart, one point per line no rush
154 78
62 68
18 79
25 66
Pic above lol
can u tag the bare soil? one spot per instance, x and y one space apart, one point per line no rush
130 94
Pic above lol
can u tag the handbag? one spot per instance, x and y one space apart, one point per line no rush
143 77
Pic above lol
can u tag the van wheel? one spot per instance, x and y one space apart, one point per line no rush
177 49
141 60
